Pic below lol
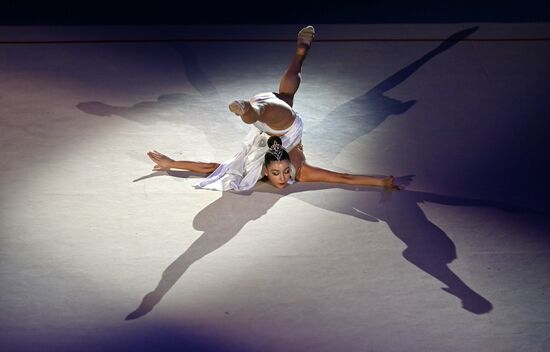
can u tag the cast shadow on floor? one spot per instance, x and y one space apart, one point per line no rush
364 113
342 126
427 246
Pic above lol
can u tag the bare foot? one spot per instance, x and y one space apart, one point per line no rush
305 37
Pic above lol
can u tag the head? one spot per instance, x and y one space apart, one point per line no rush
277 163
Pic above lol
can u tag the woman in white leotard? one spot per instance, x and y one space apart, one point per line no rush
270 114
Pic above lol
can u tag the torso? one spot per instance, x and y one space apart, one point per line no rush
279 115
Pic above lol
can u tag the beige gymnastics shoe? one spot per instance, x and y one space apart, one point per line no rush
305 37
239 107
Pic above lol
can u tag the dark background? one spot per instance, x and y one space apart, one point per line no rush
66 12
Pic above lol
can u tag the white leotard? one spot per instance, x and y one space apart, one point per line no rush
245 169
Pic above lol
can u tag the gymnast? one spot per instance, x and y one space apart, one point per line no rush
273 148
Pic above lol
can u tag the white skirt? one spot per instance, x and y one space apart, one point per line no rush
241 172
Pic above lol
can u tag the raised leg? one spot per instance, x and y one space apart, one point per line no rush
290 82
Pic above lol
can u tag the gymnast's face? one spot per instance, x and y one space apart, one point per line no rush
278 173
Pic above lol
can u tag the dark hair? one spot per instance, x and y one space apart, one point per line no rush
270 155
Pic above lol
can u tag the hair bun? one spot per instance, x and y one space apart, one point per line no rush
274 140
276 151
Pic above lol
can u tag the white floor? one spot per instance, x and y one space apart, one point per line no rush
99 253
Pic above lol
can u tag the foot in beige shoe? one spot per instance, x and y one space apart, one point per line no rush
305 37
239 107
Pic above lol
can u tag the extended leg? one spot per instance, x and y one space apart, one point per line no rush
290 82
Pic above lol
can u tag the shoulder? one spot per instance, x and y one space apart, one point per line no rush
307 173
297 159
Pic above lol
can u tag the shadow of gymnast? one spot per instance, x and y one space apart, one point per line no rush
427 246
361 115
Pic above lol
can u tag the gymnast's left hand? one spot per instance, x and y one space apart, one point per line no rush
162 162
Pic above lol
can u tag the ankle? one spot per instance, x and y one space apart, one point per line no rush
301 51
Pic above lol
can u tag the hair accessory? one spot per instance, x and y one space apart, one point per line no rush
277 150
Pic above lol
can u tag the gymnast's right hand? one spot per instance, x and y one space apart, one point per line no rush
162 162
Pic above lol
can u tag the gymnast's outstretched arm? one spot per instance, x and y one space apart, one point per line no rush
164 163
308 173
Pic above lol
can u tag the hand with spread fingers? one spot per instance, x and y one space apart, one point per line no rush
162 162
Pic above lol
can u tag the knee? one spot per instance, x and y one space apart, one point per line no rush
287 97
